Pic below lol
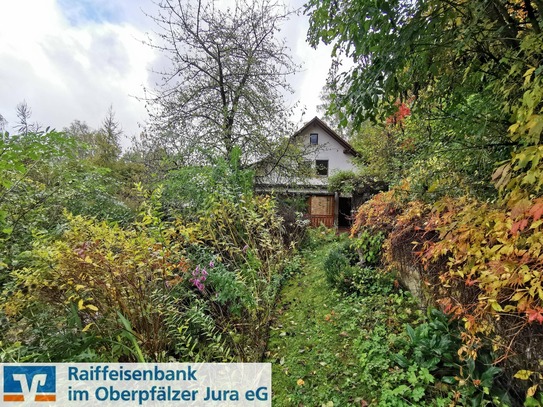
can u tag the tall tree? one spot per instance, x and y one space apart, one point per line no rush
464 68
109 136
85 136
102 146
226 83
24 112
3 125
432 50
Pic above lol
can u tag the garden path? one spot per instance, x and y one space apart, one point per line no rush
311 340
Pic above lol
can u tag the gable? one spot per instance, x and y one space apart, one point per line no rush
326 136
321 143
328 155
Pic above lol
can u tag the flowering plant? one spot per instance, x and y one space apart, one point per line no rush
199 275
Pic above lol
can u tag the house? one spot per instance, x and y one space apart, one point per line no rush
326 153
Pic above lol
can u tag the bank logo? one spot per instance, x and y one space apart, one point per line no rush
30 383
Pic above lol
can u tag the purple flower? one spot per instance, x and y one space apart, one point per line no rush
199 275
199 285
245 248
211 264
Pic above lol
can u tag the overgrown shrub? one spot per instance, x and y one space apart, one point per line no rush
101 270
293 266
479 262
369 281
379 214
191 190
291 209
420 366
339 266
247 235
369 246
319 236
155 290
343 271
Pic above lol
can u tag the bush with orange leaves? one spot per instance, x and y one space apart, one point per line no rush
482 263
378 214
493 276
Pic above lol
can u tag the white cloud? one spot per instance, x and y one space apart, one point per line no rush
71 59
67 72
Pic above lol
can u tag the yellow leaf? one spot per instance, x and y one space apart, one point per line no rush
512 129
87 327
518 296
529 72
523 374
80 305
531 391
528 76
88 260
300 382
495 306
79 287
92 307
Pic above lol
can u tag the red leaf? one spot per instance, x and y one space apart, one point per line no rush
519 226
536 211
534 315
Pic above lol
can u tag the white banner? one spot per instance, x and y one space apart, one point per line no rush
135 384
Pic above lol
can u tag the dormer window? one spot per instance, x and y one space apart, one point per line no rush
313 139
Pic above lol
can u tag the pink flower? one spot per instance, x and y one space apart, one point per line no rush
199 275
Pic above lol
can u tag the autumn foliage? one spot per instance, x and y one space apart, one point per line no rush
496 257
398 117
480 263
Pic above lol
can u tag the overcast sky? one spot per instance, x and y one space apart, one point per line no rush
72 59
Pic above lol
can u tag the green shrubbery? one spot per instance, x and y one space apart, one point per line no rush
158 289
420 366
339 266
349 265
368 245
405 357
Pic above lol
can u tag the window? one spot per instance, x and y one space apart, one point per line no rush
322 167
313 139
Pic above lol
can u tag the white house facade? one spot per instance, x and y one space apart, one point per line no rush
326 153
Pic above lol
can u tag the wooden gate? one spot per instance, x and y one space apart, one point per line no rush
321 211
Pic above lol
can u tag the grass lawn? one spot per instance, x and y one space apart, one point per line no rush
311 341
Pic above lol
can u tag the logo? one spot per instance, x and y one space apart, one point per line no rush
30 383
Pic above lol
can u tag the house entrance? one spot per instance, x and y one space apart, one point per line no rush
344 216
321 211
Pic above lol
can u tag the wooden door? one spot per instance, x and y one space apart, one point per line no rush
321 211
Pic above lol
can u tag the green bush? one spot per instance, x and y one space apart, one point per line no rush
319 236
420 366
369 245
339 267
96 271
156 288
293 266
343 272
369 281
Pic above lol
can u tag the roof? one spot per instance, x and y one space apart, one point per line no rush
348 148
